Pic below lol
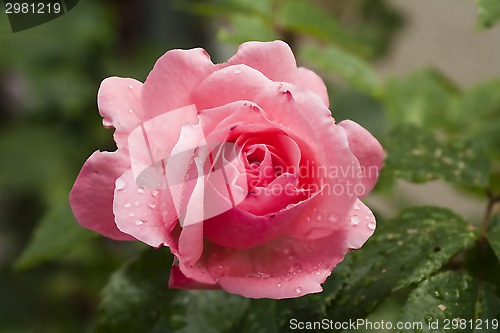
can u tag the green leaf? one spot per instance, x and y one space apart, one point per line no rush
137 299
481 103
421 98
305 17
455 299
261 317
488 13
406 250
349 67
418 156
246 27
494 235
56 235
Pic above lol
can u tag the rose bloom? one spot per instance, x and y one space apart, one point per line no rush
239 168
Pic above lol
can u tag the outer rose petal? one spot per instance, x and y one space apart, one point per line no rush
119 103
367 150
287 268
178 280
360 225
308 80
137 212
92 195
227 85
273 59
173 78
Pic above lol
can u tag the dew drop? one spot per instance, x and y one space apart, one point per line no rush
152 205
140 189
137 203
127 205
237 71
298 290
372 226
355 220
332 218
139 222
154 193
131 214
319 217
120 183
107 123
131 111
131 87
318 273
279 284
356 207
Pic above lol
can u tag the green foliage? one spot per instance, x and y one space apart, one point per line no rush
349 67
488 13
421 98
57 234
409 248
494 235
137 299
417 155
455 300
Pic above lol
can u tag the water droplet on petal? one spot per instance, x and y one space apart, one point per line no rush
298 290
131 214
137 203
127 205
120 183
319 217
356 207
130 86
237 71
154 193
131 111
140 189
318 273
355 220
107 123
139 222
152 205
279 284
332 218
371 226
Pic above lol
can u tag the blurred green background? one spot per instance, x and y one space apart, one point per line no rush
388 65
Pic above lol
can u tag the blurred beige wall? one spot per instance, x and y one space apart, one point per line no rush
442 34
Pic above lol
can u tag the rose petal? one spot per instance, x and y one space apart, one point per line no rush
139 213
178 280
286 267
120 106
151 144
92 195
173 78
274 59
367 150
239 229
360 225
308 80
227 85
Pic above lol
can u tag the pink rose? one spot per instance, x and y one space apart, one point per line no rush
239 168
